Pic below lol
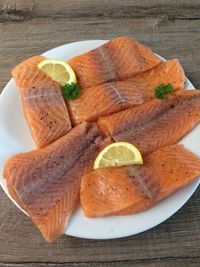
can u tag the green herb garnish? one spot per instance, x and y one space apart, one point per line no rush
70 91
163 90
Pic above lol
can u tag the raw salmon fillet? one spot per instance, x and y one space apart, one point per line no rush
131 189
46 182
115 96
156 123
118 59
42 101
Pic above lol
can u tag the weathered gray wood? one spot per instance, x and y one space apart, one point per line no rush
170 262
25 10
177 238
170 28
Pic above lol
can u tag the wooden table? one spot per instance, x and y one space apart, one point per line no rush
172 29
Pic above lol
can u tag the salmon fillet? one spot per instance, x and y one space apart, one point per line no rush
46 182
42 101
131 189
118 59
156 123
115 96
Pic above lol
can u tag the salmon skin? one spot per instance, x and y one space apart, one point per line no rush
46 182
131 189
115 96
156 123
117 59
42 101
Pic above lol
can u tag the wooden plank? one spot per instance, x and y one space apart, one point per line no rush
170 262
24 10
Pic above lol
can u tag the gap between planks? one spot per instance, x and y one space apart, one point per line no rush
160 261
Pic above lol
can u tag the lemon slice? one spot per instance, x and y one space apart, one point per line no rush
58 70
118 154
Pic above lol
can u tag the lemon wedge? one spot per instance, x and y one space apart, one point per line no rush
58 70
118 154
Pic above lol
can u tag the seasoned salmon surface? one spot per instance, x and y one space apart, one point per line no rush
117 59
42 101
131 189
46 182
156 123
115 96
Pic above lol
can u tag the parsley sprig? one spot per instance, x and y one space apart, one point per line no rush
70 91
163 90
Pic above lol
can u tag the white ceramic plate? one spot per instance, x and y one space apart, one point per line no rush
15 137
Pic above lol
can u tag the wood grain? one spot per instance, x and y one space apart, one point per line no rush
170 28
